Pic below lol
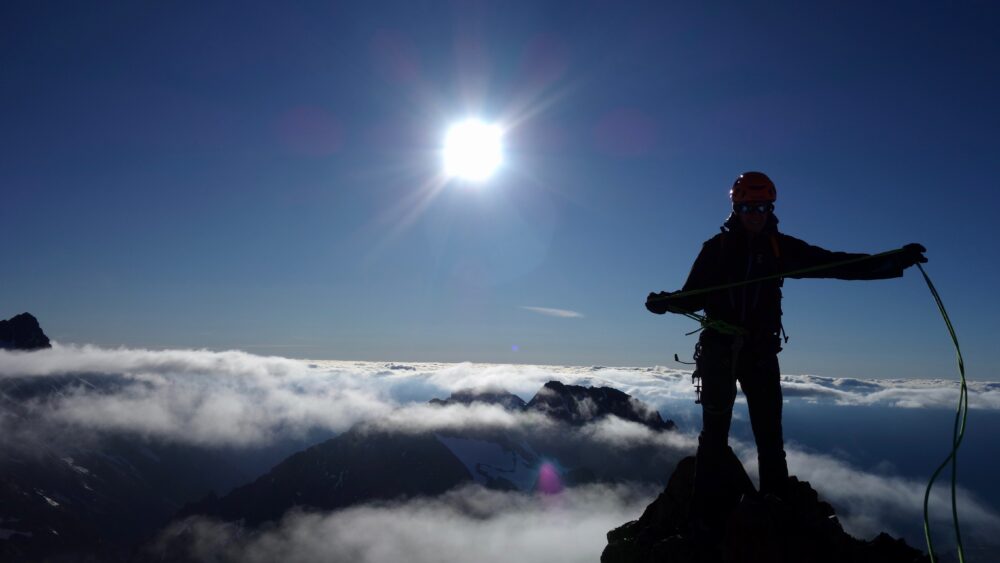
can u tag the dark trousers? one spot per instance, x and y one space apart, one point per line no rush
720 364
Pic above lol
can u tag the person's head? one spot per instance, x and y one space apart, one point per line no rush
753 196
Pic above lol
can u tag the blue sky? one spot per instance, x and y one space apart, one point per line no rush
266 177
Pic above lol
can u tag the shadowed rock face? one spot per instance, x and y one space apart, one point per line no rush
22 332
800 528
361 465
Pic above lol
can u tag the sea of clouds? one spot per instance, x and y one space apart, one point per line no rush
469 524
235 399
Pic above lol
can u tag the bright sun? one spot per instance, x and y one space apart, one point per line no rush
472 150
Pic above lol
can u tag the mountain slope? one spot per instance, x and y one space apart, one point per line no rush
369 464
360 465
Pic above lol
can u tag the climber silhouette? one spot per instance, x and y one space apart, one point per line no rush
750 247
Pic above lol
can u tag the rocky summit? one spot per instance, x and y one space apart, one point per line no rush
575 404
22 332
500 397
797 528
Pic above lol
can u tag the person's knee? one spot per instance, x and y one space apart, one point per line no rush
712 443
718 395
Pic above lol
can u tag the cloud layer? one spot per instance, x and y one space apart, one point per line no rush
903 393
471 524
475 524
235 398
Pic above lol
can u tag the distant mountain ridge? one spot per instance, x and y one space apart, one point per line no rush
577 405
506 400
572 404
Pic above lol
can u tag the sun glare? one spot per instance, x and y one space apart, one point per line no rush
472 150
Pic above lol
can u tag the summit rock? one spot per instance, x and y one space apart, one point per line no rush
575 404
797 528
499 397
22 332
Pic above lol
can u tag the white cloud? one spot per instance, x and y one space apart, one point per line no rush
424 418
617 432
62 359
237 399
903 393
561 313
469 524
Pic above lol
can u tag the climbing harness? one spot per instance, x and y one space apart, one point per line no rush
961 415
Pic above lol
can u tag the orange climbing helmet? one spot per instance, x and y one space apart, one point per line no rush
753 186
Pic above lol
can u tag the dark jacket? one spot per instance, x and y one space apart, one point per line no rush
734 256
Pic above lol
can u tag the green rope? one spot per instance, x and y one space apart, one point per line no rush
958 432
791 274
724 327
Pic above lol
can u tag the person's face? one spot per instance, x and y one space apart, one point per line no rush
753 215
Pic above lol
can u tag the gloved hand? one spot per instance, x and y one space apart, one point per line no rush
912 253
656 304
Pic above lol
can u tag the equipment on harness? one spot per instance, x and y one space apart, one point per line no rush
695 377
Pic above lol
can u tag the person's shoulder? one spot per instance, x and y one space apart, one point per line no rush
713 246
782 237
789 243
715 241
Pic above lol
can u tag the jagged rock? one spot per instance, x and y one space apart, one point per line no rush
575 404
798 528
506 400
22 332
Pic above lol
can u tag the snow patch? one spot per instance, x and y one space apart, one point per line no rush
79 469
47 499
488 461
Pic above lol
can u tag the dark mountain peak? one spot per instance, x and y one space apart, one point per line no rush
22 332
576 404
500 397
363 464
797 527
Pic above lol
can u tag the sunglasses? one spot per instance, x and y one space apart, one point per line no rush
744 208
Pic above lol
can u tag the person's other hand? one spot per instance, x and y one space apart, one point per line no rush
912 253
656 302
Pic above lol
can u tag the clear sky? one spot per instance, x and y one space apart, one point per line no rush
268 177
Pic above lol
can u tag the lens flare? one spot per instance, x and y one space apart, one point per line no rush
549 482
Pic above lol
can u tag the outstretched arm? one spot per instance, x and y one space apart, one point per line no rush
797 255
